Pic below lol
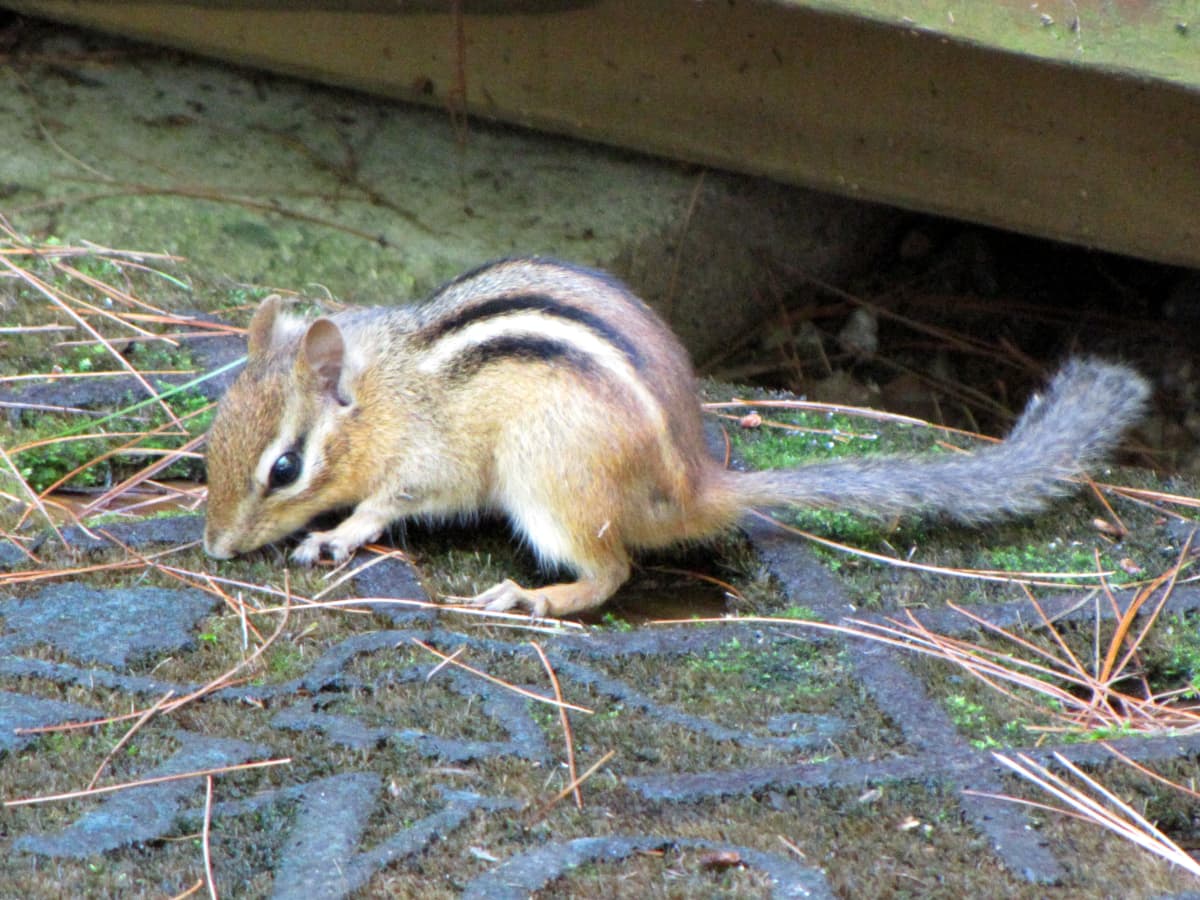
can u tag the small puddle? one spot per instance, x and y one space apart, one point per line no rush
658 593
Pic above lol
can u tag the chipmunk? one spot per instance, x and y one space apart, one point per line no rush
553 395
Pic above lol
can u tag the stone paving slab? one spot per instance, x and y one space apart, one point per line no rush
322 854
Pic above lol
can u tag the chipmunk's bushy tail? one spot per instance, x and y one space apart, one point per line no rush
1072 427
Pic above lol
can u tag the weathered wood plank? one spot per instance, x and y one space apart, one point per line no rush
815 96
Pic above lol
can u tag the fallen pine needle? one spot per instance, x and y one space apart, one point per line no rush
125 738
574 785
500 683
791 846
204 837
568 737
1134 764
1038 579
552 625
517 619
1101 807
161 779
445 662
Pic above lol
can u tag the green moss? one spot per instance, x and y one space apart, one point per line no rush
61 450
1060 556
42 466
62 453
615 623
240 296
981 726
1107 733
1183 663
810 436
1171 655
796 667
89 358
285 661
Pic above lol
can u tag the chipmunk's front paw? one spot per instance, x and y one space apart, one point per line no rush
309 549
327 543
341 542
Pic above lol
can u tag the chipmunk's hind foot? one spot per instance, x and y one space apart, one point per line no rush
555 600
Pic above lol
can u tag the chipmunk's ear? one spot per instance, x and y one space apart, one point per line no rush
320 363
262 326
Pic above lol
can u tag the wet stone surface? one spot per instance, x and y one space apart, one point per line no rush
69 634
143 813
110 627
100 637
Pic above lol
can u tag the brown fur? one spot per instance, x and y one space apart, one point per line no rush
553 395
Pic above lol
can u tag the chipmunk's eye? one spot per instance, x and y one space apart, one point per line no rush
284 470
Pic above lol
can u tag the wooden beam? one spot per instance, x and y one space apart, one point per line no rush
885 112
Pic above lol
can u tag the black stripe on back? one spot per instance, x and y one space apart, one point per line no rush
522 347
542 303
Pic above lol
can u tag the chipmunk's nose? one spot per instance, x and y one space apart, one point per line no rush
216 548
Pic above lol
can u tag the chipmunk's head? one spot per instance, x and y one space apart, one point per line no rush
275 442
